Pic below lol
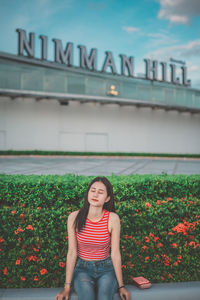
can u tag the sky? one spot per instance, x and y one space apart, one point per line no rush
154 29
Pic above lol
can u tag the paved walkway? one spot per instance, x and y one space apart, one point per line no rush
93 166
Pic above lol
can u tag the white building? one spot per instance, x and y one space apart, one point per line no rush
51 106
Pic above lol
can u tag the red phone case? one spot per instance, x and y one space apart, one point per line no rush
141 282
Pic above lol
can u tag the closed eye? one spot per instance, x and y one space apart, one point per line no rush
100 191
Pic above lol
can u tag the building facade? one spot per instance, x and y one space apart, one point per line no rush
51 106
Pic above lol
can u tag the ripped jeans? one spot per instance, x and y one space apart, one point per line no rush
95 279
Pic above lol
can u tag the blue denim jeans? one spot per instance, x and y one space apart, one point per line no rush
95 279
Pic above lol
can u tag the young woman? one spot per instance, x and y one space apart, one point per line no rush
92 231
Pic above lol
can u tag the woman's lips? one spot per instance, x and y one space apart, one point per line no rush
95 200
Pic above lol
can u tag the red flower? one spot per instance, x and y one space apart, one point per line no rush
192 243
169 199
18 230
22 205
13 212
147 239
35 278
151 234
166 260
33 257
36 250
144 247
146 258
179 257
147 204
43 271
62 264
66 237
158 202
22 278
160 245
155 239
123 267
2 240
180 228
18 261
162 278
170 233
29 227
5 271
22 216
39 207
174 245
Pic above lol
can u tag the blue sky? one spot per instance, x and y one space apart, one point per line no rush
155 29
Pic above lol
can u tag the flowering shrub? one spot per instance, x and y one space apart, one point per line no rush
33 247
159 232
161 241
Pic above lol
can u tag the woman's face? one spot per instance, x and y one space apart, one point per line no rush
97 194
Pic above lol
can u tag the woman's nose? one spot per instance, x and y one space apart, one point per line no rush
95 194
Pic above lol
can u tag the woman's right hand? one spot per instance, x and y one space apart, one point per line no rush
63 294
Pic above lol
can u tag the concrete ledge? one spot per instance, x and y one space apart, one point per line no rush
172 291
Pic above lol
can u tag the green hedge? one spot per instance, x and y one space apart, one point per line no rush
43 152
160 226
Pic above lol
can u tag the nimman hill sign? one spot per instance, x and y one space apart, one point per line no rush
89 62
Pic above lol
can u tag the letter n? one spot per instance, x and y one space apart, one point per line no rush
126 63
23 44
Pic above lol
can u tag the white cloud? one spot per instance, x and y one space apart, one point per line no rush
178 19
191 49
131 29
188 53
158 39
179 11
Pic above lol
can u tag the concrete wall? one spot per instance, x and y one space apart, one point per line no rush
27 124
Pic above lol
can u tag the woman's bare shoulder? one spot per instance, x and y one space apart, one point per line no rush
73 215
114 217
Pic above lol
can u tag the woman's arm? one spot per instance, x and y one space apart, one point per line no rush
71 257
115 253
72 247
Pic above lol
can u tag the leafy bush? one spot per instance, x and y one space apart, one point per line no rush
160 226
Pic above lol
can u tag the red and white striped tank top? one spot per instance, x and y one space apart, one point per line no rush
94 239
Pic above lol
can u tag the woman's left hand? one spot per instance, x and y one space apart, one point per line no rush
124 294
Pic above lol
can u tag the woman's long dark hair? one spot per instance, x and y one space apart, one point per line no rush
80 219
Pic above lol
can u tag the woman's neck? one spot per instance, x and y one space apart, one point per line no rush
95 212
